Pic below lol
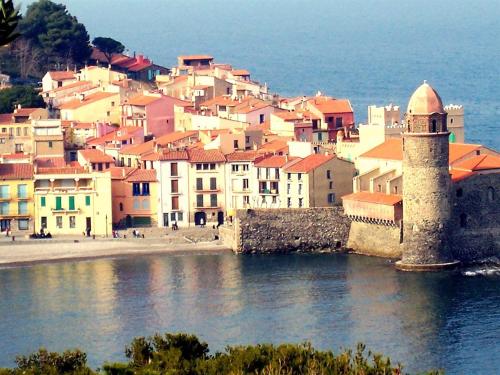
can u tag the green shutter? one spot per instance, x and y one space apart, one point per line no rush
87 200
42 201
58 203
71 203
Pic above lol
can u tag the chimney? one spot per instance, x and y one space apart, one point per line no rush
19 106
81 97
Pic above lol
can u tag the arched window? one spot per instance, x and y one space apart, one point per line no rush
463 220
491 194
434 126
451 121
121 206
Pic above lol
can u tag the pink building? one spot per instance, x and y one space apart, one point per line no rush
333 115
154 113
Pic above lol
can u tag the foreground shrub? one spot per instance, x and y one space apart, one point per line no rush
183 354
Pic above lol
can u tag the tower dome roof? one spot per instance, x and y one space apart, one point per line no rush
424 101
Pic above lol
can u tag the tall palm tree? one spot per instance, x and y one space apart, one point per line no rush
9 18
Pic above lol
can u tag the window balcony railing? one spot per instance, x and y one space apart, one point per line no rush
64 210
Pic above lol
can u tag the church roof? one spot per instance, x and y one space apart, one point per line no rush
425 101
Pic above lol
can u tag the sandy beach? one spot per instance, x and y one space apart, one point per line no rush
24 251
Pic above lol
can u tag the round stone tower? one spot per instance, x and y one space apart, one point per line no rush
426 183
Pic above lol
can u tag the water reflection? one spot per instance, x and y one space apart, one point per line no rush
424 320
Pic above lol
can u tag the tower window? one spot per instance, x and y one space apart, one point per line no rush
451 121
463 220
491 194
460 192
434 126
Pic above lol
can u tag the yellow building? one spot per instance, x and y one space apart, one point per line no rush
16 198
72 200
99 106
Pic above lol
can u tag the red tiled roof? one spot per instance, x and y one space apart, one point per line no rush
125 133
480 163
138 149
240 72
276 145
61 170
16 171
275 161
220 100
243 156
460 174
250 106
91 98
175 137
120 173
142 175
309 163
16 156
5 118
54 162
459 150
84 125
206 156
329 105
61 75
142 100
24 112
166 155
95 156
391 149
378 198
73 85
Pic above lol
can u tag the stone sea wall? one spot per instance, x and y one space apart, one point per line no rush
287 230
375 239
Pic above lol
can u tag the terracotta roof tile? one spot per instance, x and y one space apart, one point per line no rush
460 174
16 171
240 72
459 150
480 162
276 145
329 105
77 84
62 170
309 163
243 156
378 198
61 75
391 149
24 112
275 161
91 98
95 156
175 137
5 118
55 162
15 156
120 173
206 156
166 155
122 133
220 100
142 100
142 175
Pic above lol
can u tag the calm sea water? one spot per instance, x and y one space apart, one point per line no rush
370 51
427 320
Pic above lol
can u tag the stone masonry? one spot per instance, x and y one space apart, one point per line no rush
287 230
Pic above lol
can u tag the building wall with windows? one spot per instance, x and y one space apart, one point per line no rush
206 192
173 192
16 205
239 185
135 202
70 200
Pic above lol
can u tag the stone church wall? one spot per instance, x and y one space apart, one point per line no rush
375 239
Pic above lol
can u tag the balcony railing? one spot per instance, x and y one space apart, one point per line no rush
64 210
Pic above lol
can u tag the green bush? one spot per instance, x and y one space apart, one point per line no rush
183 354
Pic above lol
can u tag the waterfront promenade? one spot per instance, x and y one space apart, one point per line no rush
24 251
